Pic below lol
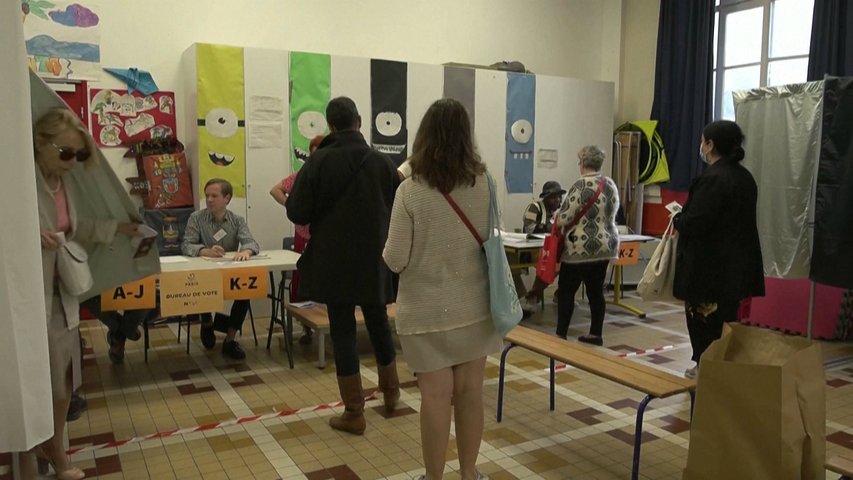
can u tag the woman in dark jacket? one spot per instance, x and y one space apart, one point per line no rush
718 260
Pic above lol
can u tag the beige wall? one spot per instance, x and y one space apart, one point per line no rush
639 45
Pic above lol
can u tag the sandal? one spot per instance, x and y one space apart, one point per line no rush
591 339
73 473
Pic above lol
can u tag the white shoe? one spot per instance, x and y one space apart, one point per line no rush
692 373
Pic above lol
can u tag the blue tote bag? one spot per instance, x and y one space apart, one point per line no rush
503 300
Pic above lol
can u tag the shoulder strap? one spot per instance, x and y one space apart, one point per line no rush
463 218
577 218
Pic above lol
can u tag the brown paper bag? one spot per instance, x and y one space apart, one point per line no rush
760 409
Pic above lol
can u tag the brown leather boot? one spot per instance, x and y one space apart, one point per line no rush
352 420
389 385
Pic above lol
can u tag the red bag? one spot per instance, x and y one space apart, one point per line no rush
548 264
549 256
169 181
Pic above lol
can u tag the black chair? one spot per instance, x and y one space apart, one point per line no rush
279 297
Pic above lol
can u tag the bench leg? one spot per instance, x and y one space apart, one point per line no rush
288 345
692 403
321 349
638 437
274 299
507 348
552 384
146 342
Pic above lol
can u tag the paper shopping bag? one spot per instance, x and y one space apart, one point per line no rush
760 409
658 278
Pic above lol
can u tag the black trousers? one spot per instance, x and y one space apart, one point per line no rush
342 329
120 325
703 327
239 309
571 276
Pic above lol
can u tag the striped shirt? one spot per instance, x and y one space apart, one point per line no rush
202 228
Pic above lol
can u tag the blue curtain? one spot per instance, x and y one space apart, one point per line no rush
831 50
683 84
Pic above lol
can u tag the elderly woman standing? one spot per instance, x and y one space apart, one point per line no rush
60 143
588 222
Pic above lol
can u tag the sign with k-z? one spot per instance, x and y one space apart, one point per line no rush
245 283
629 253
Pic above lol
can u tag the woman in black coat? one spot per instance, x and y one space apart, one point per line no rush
718 259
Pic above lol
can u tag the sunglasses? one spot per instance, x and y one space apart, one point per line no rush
66 154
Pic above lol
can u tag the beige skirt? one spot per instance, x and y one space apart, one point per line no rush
427 352
64 348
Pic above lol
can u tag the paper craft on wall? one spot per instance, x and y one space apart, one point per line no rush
388 89
310 87
120 118
459 84
62 38
221 116
520 115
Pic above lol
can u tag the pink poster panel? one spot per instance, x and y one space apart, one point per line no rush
119 118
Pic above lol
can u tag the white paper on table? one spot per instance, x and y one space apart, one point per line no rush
308 304
174 259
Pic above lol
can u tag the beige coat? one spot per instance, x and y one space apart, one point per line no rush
82 230
443 273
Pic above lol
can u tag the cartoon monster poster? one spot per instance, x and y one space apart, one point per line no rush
388 88
310 81
221 116
520 115
63 38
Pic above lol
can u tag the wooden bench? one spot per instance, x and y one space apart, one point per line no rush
841 464
651 381
317 319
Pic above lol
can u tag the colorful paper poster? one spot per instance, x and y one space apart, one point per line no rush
119 118
63 38
520 115
310 83
221 116
388 89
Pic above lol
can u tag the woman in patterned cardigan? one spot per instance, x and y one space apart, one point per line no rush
588 222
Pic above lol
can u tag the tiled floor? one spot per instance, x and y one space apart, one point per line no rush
259 419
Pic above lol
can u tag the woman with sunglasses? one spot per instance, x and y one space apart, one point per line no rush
60 143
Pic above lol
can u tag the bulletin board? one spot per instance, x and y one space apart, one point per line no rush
119 118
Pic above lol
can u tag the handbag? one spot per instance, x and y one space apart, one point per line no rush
503 300
73 267
547 265
659 275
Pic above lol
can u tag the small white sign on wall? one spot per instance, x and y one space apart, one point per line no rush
547 158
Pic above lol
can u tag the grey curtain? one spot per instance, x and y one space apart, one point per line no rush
782 127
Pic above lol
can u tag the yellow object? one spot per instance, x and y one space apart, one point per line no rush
185 293
221 116
131 296
245 283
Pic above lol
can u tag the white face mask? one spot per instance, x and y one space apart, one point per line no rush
703 155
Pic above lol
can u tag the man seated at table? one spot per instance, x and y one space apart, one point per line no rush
211 233
538 218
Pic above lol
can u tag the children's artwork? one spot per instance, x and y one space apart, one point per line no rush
221 116
169 183
310 80
62 38
520 114
388 88
121 118
459 84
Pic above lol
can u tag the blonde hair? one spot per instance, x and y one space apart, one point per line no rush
56 121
